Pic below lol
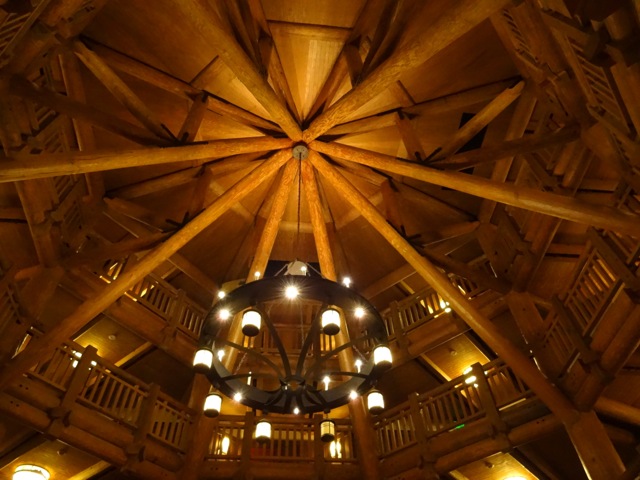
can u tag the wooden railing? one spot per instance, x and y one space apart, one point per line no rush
13 27
292 440
161 298
453 405
424 306
116 394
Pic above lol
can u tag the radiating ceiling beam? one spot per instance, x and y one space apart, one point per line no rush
65 329
22 88
24 167
480 120
120 90
521 364
454 21
176 86
212 26
320 235
270 231
560 206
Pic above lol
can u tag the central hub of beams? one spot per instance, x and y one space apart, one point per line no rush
300 151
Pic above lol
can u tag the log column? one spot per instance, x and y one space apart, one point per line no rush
365 436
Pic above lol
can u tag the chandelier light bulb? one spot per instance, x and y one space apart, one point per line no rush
330 321
224 314
359 312
256 275
326 380
237 397
375 402
202 360
263 431
291 292
221 294
220 354
296 411
346 281
212 405
327 430
353 395
251 320
358 363
303 268
382 357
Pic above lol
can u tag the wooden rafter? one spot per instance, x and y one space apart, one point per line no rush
560 206
121 91
24 167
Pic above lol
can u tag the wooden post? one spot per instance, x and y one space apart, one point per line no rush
552 204
78 380
318 448
428 459
361 426
94 306
599 457
247 443
488 402
135 450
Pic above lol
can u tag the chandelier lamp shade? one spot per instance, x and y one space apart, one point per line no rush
31 472
212 405
288 357
263 431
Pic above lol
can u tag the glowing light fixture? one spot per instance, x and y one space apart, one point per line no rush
31 472
291 292
296 411
327 430
330 321
346 281
212 405
221 294
263 431
335 449
471 378
359 312
260 306
251 320
375 402
256 275
382 356
202 360
224 445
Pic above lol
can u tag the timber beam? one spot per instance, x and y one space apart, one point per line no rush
25 167
555 205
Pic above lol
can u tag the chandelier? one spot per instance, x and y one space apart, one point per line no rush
293 344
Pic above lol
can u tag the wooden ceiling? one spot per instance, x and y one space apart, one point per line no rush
472 130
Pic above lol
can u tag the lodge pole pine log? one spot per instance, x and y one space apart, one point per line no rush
555 205
88 310
26 167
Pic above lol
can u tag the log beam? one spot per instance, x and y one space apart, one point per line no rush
242 66
553 398
452 23
89 309
25 167
270 231
555 205
121 91
480 120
